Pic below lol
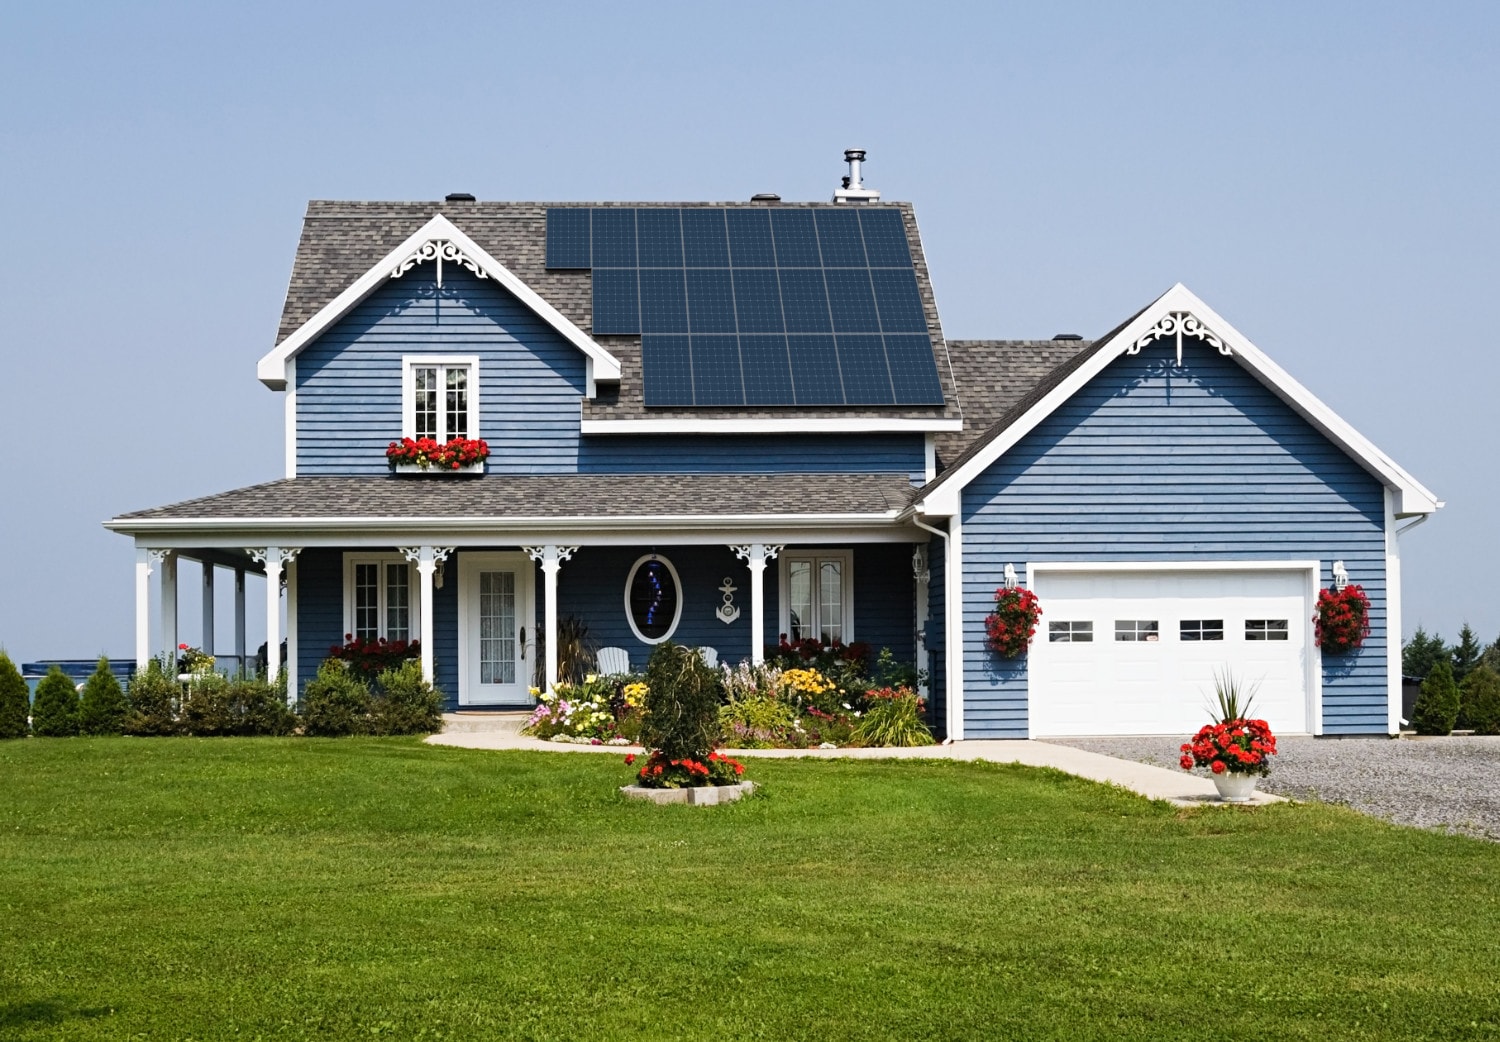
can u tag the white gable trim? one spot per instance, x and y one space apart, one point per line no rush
437 240
1178 313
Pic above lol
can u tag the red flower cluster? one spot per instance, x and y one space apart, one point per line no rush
660 772
1343 619
892 694
1236 746
809 648
1010 627
426 452
370 658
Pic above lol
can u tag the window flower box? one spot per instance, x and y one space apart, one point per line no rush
425 456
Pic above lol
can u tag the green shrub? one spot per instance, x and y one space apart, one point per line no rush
152 697
1437 703
682 703
102 709
405 703
205 707
335 703
894 718
259 708
15 700
757 723
54 714
1480 695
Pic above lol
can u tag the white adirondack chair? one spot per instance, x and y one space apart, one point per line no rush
613 661
710 657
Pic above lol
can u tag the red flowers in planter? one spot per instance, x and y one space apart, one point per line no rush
1234 746
1343 619
369 658
661 772
1010 627
426 452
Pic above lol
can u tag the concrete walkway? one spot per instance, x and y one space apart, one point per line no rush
502 731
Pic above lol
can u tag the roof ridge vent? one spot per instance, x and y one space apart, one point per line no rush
853 189
459 197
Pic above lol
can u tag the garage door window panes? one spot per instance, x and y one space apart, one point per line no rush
1265 629
1070 632
1201 629
1136 629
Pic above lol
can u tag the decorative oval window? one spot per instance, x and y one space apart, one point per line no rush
653 599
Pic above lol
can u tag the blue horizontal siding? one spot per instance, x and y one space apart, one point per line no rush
780 454
320 609
1154 463
349 380
937 641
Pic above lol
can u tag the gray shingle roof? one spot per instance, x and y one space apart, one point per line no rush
543 496
343 240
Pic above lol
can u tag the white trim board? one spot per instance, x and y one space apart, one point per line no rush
944 497
779 425
272 371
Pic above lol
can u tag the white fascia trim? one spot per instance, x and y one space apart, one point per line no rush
1415 498
788 425
451 524
271 369
1393 624
291 417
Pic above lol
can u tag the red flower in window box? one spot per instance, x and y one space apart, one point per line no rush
1010 627
1343 619
428 454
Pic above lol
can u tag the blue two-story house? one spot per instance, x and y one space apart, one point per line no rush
719 423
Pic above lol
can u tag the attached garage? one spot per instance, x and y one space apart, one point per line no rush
1133 649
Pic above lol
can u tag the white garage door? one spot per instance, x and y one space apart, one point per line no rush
1130 652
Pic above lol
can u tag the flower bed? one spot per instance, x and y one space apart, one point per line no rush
369 658
600 711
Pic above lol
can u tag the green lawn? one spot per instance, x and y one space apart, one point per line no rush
266 888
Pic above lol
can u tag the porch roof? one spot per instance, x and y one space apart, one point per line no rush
538 499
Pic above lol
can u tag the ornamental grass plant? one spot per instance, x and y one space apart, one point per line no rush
894 718
1233 743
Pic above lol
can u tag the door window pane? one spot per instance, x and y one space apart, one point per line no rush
458 402
497 627
425 420
397 602
799 585
831 602
367 601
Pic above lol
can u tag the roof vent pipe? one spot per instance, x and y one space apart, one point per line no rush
853 189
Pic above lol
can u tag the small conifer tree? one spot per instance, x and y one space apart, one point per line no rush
55 711
1437 703
1419 653
1465 653
102 709
1480 695
15 700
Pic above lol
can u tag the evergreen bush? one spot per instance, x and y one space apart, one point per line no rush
54 714
1480 699
15 700
405 703
335 703
682 703
1437 703
259 708
205 707
152 697
102 708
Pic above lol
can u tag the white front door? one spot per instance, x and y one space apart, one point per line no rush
1135 652
496 629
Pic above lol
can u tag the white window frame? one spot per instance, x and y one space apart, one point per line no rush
413 586
846 557
630 615
409 365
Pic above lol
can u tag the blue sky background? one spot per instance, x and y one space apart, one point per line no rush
1323 175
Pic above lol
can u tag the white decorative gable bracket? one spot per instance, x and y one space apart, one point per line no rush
437 251
1178 324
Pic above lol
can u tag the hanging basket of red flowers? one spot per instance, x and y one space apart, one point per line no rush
1343 619
1010 627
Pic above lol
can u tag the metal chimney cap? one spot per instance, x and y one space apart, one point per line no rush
854 153
765 197
852 189
458 197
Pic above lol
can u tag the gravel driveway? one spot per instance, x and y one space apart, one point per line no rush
1446 783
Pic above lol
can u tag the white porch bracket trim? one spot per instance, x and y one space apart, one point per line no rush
427 559
437 251
756 555
1178 324
275 558
551 557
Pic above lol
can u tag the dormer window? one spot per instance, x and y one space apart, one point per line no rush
440 397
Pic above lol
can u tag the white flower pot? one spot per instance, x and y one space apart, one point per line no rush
436 471
1235 788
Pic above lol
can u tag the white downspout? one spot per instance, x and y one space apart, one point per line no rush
952 625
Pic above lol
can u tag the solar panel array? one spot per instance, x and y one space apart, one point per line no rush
757 306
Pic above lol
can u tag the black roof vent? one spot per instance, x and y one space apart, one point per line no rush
458 197
765 197
1066 336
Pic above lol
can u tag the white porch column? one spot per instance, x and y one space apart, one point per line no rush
208 607
552 556
756 555
427 559
239 616
143 559
274 558
169 609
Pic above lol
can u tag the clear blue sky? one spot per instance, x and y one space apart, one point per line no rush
1324 175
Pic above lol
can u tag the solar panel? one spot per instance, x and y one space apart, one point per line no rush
757 306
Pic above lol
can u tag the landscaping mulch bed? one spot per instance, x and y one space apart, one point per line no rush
1444 783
